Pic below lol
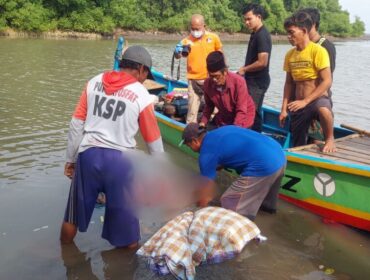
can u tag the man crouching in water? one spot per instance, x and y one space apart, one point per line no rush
308 79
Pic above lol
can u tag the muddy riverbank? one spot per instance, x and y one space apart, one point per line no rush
147 35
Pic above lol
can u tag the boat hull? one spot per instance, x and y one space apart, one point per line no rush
337 192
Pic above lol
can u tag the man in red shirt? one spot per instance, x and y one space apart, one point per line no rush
227 92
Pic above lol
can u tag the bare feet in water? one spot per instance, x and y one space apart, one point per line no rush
101 199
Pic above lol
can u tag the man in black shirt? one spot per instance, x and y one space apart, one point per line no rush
257 60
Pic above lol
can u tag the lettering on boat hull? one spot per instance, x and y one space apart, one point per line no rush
292 181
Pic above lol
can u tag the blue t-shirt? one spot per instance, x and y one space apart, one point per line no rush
248 152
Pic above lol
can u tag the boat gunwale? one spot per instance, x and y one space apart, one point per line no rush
335 165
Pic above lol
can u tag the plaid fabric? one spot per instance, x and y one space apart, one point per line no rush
210 235
217 234
168 249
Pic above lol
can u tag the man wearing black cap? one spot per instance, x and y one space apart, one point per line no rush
227 92
112 108
258 159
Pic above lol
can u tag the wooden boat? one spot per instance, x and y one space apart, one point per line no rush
335 186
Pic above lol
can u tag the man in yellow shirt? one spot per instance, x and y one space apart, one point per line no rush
196 48
308 79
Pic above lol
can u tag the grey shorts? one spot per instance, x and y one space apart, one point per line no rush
246 194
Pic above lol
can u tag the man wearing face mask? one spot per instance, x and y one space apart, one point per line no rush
196 48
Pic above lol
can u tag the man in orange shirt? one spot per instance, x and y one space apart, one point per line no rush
196 48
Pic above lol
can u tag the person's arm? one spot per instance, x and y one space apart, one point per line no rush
241 108
218 44
178 49
205 193
209 106
330 48
150 131
322 63
263 53
177 52
288 91
320 90
259 64
208 164
75 134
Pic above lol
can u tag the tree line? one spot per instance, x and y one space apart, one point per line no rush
103 16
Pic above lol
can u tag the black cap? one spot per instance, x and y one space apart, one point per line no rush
192 131
215 61
139 55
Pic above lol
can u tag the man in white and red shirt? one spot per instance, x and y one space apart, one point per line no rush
112 108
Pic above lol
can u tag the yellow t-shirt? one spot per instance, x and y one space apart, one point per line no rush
305 65
199 50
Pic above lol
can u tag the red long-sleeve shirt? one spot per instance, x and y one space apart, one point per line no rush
235 105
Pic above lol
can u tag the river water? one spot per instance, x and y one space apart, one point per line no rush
40 83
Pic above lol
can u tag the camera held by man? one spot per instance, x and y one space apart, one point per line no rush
184 50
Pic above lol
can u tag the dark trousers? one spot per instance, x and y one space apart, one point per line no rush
257 89
300 120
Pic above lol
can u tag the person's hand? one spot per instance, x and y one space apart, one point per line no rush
282 117
202 125
241 71
178 49
205 194
69 169
297 105
203 202
219 167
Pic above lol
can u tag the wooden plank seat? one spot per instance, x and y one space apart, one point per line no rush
152 85
353 148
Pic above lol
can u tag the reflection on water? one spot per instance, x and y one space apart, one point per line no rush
77 264
40 83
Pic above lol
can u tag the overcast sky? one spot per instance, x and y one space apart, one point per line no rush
359 8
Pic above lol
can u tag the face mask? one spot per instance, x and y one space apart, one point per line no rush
196 33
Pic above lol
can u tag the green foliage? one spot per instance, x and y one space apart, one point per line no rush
276 12
166 15
223 18
339 24
128 14
31 17
91 20
173 24
2 23
358 27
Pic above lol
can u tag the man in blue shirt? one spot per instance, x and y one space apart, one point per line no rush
258 159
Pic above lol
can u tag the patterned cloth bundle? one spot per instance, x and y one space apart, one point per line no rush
209 235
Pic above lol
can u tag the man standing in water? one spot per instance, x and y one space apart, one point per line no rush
308 79
258 159
196 47
111 110
257 60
